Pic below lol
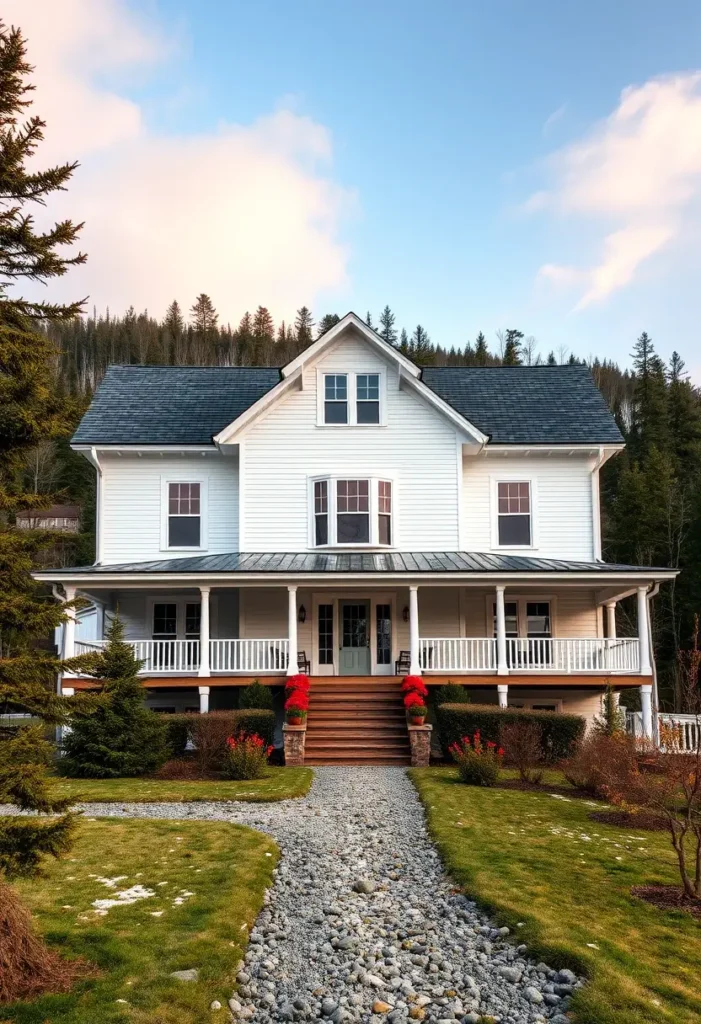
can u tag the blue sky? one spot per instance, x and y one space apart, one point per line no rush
471 164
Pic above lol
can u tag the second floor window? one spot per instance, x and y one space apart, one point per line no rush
368 397
351 512
184 520
351 399
514 514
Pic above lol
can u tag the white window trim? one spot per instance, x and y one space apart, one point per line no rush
335 599
511 478
352 378
521 601
374 542
204 518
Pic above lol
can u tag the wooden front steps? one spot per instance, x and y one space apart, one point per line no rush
354 721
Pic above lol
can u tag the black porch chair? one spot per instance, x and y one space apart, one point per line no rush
303 662
402 665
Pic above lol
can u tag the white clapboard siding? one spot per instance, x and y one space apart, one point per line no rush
132 500
417 448
563 503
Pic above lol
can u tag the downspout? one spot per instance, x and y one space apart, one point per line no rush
92 458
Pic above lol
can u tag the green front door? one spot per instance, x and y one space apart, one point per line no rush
355 638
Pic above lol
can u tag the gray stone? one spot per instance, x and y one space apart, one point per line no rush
511 974
365 885
215 1005
190 975
566 976
533 995
328 1006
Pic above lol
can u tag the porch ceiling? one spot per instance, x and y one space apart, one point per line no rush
456 564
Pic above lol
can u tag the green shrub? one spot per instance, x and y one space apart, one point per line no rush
122 738
178 732
560 732
451 693
246 757
257 696
182 727
478 763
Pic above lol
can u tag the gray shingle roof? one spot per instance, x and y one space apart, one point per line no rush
189 404
170 404
527 404
391 562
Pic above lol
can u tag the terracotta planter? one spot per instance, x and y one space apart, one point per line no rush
296 720
417 720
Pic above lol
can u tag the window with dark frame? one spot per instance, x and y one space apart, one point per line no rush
514 513
165 621
384 511
326 634
321 512
352 512
184 523
384 634
510 618
367 386
336 398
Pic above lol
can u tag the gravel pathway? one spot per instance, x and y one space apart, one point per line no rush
362 923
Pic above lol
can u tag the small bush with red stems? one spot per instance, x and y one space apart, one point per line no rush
595 759
524 743
246 756
478 763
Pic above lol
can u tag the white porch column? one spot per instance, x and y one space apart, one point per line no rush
502 667
646 705
643 633
204 632
414 658
292 630
611 620
204 699
503 691
69 630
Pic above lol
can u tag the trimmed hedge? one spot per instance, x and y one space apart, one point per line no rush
181 725
559 731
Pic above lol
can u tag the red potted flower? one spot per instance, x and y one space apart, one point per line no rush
296 707
414 684
415 707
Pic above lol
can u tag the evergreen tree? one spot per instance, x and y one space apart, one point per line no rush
512 348
404 347
684 422
123 737
303 326
368 319
263 336
203 315
327 321
174 323
387 329
420 346
24 252
481 350
612 719
649 413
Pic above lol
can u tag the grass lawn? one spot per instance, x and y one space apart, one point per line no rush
562 882
278 784
217 871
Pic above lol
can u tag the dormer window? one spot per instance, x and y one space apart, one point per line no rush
351 399
351 513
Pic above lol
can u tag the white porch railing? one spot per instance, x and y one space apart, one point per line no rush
249 655
458 654
546 654
687 729
174 656
532 654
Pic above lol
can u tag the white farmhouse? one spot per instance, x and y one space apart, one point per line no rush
359 517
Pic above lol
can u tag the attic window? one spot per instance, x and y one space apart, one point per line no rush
351 399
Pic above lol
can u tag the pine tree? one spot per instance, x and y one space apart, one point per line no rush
24 253
123 737
31 413
303 326
368 319
203 315
327 321
649 414
173 322
512 348
481 350
420 346
387 329
684 411
404 346
263 335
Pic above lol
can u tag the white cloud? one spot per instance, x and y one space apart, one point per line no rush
553 119
636 174
248 213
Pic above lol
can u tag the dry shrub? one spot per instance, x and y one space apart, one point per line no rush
596 762
209 735
28 968
179 769
523 748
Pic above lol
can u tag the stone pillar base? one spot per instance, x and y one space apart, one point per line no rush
420 741
294 737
